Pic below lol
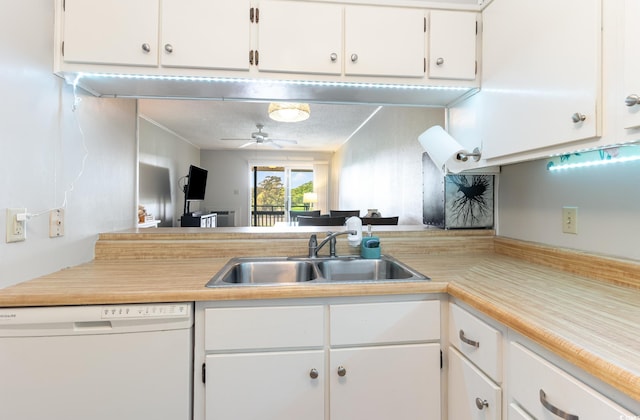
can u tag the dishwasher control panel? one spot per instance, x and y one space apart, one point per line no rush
154 310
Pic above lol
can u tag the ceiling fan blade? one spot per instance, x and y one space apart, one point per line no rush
245 139
273 144
286 141
247 144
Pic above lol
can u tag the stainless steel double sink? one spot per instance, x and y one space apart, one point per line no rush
302 270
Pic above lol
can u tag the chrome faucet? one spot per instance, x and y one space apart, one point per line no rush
314 247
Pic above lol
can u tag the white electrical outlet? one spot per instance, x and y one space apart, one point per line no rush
16 225
570 220
56 223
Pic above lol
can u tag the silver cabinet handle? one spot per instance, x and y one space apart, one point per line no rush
439 61
342 371
465 340
168 48
555 410
313 373
480 403
632 100
578 117
146 47
334 57
354 57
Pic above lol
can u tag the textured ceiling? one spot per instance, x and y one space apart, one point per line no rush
203 123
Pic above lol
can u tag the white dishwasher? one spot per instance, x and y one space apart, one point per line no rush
110 362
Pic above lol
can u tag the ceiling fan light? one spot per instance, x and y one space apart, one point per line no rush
289 112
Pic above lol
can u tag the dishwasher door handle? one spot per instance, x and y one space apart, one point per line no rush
92 326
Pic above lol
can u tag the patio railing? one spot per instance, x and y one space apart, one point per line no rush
270 215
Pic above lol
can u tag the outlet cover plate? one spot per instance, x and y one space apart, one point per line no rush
16 231
570 220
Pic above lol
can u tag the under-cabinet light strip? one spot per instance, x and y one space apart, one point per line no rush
592 163
267 81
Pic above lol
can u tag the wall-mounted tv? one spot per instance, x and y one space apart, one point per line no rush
196 184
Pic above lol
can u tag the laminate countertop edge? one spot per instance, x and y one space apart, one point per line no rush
619 377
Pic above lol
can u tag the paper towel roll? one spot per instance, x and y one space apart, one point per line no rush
444 150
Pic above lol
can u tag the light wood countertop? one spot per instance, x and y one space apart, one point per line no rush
593 324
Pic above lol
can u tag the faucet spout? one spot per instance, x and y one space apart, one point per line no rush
314 247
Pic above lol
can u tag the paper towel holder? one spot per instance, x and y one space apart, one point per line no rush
464 156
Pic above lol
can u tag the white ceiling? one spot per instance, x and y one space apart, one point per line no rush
204 122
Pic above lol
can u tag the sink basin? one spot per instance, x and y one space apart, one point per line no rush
363 269
300 270
264 271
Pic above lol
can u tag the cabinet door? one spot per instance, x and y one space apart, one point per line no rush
541 69
388 382
120 32
547 392
384 41
471 394
206 34
452 45
266 386
300 37
631 116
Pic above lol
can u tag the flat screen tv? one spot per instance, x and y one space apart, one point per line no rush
196 184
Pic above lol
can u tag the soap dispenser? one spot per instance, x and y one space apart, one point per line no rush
370 247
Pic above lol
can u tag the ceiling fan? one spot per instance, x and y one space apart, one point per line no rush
260 137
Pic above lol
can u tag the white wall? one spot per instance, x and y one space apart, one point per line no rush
41 144
381 166
229 183
608 201
171 156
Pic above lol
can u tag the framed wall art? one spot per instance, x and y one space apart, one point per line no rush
469 201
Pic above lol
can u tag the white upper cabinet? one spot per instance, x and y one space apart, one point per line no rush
118 32
631 115
452 45
384 41
206 34
300 37
541 74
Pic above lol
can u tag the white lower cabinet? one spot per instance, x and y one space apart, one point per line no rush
547 392
474 367
472 395
337 359
388 382
267 386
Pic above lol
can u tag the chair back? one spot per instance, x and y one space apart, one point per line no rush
379 220
345 213
293 214
321 221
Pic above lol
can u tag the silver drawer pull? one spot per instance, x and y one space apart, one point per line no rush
632 100
342 371
313 373
555 410
465 340
578 117
480 403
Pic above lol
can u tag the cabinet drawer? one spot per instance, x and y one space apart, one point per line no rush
541 388
264 328
478 341
472 395
378 323
517 413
